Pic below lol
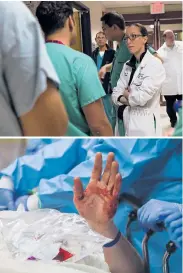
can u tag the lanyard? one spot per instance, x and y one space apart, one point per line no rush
54 42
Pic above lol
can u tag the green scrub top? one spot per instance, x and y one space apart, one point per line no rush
152 50
121 57
80 84
178 128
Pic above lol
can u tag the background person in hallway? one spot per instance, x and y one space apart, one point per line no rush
81 89
103 55
30 103
113 25
171 53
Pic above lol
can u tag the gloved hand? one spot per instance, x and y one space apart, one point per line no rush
173 224
29 202
6 194
155 212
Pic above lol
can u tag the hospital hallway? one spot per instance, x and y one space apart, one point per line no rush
157 18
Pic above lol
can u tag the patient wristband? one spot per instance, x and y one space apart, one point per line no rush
115 241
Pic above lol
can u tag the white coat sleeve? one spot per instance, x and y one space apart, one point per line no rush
120 88
151 84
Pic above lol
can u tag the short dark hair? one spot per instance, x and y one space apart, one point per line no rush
114 18
143 29
100 32
52 15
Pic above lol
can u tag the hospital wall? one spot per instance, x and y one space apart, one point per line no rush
96 9
145 9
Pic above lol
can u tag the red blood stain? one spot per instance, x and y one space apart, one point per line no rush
63 255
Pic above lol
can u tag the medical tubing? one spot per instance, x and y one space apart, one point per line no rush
145 250
131 218
136 203
166 268
170 248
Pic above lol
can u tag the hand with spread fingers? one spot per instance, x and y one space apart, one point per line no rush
98 203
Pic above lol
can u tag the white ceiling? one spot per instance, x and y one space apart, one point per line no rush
119 4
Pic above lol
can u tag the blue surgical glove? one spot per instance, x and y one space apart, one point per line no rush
155 212
6 194
29 202
173 224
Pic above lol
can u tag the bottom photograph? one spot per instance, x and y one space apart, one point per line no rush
91 205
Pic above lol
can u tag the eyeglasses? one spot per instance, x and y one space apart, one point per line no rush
132 37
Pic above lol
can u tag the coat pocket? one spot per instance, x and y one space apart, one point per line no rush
141 123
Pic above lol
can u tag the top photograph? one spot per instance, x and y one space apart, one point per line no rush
91 68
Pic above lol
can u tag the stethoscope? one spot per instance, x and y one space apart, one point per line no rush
170 246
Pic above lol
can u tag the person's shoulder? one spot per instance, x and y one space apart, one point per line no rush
179 44
111 50
163 47
82 58
95 50
153 60
15 12
152 50
82 62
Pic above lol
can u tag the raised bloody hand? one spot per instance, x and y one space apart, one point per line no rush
98 203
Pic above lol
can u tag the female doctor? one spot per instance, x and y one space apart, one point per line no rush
139 86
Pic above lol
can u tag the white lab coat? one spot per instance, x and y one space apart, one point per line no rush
172 62
144 98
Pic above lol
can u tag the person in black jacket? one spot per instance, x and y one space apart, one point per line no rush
103 55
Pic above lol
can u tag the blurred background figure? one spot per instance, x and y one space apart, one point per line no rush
171 53
103 55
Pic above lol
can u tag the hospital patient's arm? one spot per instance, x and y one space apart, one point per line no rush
97 119
122 257
98 204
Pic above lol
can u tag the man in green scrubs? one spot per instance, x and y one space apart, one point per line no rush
80 86
113 25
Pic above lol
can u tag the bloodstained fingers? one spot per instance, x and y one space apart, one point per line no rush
78 189
117 185
112 179
110 207
107 170
97 169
